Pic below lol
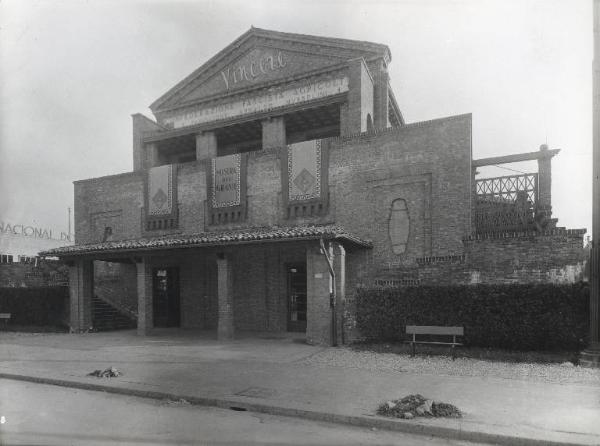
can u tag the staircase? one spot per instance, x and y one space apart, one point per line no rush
106 317
590 358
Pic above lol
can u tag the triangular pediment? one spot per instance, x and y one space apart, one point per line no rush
259 65
260 57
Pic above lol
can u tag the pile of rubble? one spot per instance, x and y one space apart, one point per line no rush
110 372
412 406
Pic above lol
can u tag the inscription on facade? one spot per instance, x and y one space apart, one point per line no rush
31 231
260 103
255 69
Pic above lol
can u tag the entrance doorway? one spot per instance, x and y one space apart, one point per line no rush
165 297
296 281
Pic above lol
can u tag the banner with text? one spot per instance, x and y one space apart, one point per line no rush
226 181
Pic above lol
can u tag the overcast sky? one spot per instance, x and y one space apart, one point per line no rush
72 73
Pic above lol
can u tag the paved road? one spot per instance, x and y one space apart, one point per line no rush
49 415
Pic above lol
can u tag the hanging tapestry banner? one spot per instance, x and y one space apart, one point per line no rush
160 198
226 177
304 170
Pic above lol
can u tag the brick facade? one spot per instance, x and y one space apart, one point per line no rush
408 189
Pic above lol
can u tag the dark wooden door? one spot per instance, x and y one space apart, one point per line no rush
165 297
296 281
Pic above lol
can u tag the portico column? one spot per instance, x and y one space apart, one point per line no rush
206 145
151 155
273 132
81 289
225 325
144 294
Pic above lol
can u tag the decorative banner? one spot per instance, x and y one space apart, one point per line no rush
304 170
160 190
226 176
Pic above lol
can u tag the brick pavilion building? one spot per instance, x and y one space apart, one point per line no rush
278 177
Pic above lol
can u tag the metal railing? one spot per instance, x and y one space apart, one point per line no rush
506 203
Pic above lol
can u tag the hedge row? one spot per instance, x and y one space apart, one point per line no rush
516 317
39 306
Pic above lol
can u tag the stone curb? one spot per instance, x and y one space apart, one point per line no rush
353 420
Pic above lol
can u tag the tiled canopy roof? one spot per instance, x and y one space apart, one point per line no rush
205 239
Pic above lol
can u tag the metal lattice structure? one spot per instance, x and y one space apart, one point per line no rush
506 203
506 188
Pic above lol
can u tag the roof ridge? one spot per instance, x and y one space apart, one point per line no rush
326 38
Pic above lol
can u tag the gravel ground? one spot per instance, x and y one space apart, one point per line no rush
442 365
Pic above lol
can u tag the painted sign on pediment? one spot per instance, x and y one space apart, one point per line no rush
257 66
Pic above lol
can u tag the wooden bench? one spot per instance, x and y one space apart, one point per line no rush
5 317
415 330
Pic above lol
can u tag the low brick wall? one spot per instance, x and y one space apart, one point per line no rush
44 273
556 257
38 306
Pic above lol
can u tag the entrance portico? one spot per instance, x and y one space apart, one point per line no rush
273 280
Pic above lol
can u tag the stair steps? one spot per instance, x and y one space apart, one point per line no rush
106 317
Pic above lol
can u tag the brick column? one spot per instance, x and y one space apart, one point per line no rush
225 325
145 321
544 199
81 289
206 145
318 286
273 132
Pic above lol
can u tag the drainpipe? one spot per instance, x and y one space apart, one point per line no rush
342 280
332 297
